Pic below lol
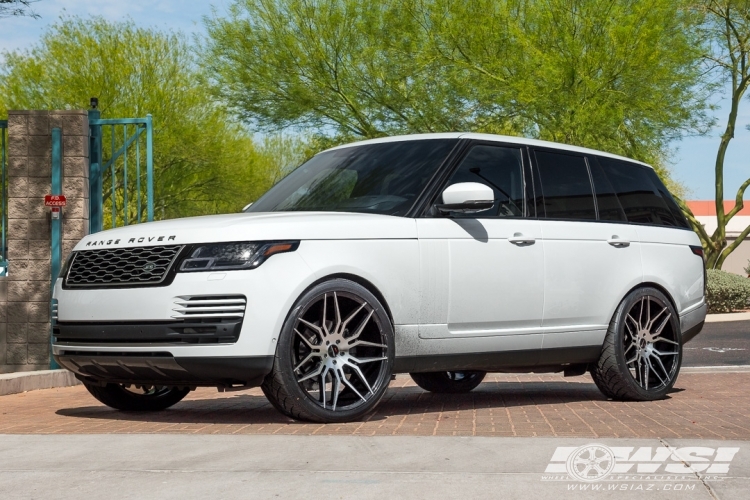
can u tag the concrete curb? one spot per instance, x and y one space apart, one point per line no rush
14 383
716 369
720 318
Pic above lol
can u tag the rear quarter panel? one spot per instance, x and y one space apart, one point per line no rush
669 262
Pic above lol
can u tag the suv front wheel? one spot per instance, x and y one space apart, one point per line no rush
335 355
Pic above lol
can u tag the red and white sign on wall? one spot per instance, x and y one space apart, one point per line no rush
55 200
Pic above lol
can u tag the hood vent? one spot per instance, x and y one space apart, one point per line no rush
213 307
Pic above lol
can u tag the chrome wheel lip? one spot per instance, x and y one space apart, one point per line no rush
651 347
332 356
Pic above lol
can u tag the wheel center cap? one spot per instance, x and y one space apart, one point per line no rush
333 351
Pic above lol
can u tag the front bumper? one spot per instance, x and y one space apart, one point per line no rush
143 321
161 368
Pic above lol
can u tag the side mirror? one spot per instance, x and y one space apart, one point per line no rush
467 198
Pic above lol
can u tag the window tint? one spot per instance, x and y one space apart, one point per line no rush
679 217
566 186
499 168
606 198
638 189
384 178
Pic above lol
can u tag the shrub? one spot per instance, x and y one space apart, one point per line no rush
727 292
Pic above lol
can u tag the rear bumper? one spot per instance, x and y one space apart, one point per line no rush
691 323
164 369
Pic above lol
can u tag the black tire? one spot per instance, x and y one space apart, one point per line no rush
131 399
304 400
626 369
456 382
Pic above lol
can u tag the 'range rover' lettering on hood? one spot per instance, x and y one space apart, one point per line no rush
141 239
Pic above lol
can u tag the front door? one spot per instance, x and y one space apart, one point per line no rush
482 274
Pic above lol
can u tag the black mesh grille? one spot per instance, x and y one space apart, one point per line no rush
121 266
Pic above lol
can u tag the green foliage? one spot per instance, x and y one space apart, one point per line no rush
204 162
617 75
11 8
727 292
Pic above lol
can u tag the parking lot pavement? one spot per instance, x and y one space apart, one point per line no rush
702 406
326 467
719 344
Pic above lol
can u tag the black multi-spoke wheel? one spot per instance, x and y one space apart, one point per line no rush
137 397
335 355
642 352
449 382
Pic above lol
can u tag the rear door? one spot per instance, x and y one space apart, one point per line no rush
592 256
662 229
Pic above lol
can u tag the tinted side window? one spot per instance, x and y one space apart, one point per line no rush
606 198
566 186
679 217
501 169
638 194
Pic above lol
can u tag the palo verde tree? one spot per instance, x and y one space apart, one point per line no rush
619 75
727 27
10 8
204 161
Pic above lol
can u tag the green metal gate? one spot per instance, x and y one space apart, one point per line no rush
121 171
3 197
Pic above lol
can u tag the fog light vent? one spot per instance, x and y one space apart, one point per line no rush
214 307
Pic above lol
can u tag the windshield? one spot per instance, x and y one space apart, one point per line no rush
384 178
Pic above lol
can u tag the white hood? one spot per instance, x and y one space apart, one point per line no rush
255 227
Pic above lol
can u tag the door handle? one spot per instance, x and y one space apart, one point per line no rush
618 242
520 239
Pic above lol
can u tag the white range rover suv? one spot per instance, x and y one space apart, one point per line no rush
445 256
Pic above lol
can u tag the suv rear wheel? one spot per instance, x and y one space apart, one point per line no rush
642 352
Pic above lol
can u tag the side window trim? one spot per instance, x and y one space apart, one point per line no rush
593 188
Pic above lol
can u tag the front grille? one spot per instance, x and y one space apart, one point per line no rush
114 267
214 307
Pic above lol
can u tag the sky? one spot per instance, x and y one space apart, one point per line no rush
693 161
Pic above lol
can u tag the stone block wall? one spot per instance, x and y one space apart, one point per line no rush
25 292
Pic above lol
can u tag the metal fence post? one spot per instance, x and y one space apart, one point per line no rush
150 167
56 240
95 172
3 200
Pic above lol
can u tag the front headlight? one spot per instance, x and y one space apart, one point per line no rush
233 256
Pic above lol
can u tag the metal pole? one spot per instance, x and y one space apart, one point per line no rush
125 175
114 207
150 167
3 205
95 172
138 171
56 241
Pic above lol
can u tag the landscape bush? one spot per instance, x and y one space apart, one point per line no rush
727 292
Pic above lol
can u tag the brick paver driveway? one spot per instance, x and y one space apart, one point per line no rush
712 406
